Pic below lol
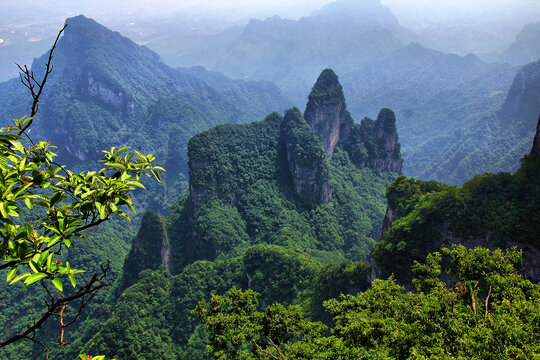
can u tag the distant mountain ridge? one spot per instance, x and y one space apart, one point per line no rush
439 98
106 90
525 48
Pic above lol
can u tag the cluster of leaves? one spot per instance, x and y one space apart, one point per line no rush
502 208
46 207
483 308
67 203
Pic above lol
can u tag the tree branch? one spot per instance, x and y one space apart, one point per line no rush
28 80
55 305
268 352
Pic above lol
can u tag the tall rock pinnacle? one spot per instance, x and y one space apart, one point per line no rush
326 111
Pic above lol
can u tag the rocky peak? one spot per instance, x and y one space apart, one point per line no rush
326 112
522 103
386 135
536 142
374 143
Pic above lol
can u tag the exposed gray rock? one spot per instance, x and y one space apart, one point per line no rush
306 159
536 142
385 154
326 112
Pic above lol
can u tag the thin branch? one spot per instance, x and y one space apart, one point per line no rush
487 302
31 338
28 80
268 352
52 308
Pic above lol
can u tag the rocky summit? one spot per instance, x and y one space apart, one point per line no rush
327 113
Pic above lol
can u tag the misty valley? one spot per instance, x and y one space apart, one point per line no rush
348 184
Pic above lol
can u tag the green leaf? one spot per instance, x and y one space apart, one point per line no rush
33 266
101 210
156 174
29 203
3 163
34 277
57 283
113 207
3 210
17 145
72 280
11 273
20 277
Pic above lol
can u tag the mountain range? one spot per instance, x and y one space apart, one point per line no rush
438 97
107 91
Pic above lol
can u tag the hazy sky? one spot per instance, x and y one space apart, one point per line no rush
429 10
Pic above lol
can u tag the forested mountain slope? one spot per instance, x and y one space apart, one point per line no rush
282 206
491 210
106 91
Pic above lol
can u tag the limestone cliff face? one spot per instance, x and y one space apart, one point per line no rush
199 191
104 92
327 113
306 159
536 142
382 139
374 143
523 101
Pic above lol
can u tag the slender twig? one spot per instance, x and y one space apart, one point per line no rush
28 80
31 338
487 302
268 352
55 305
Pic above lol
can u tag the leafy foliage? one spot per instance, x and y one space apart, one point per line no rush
486 308
62 205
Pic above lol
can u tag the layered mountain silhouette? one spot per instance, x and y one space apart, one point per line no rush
107 91
439 97
525 48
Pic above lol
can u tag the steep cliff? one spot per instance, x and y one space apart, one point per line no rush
522 104
327 113
536 141
493 211
306 159
374 144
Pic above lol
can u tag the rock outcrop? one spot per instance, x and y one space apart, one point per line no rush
327 113
523 101
374 143
149 250
381 137
536 141
306 159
